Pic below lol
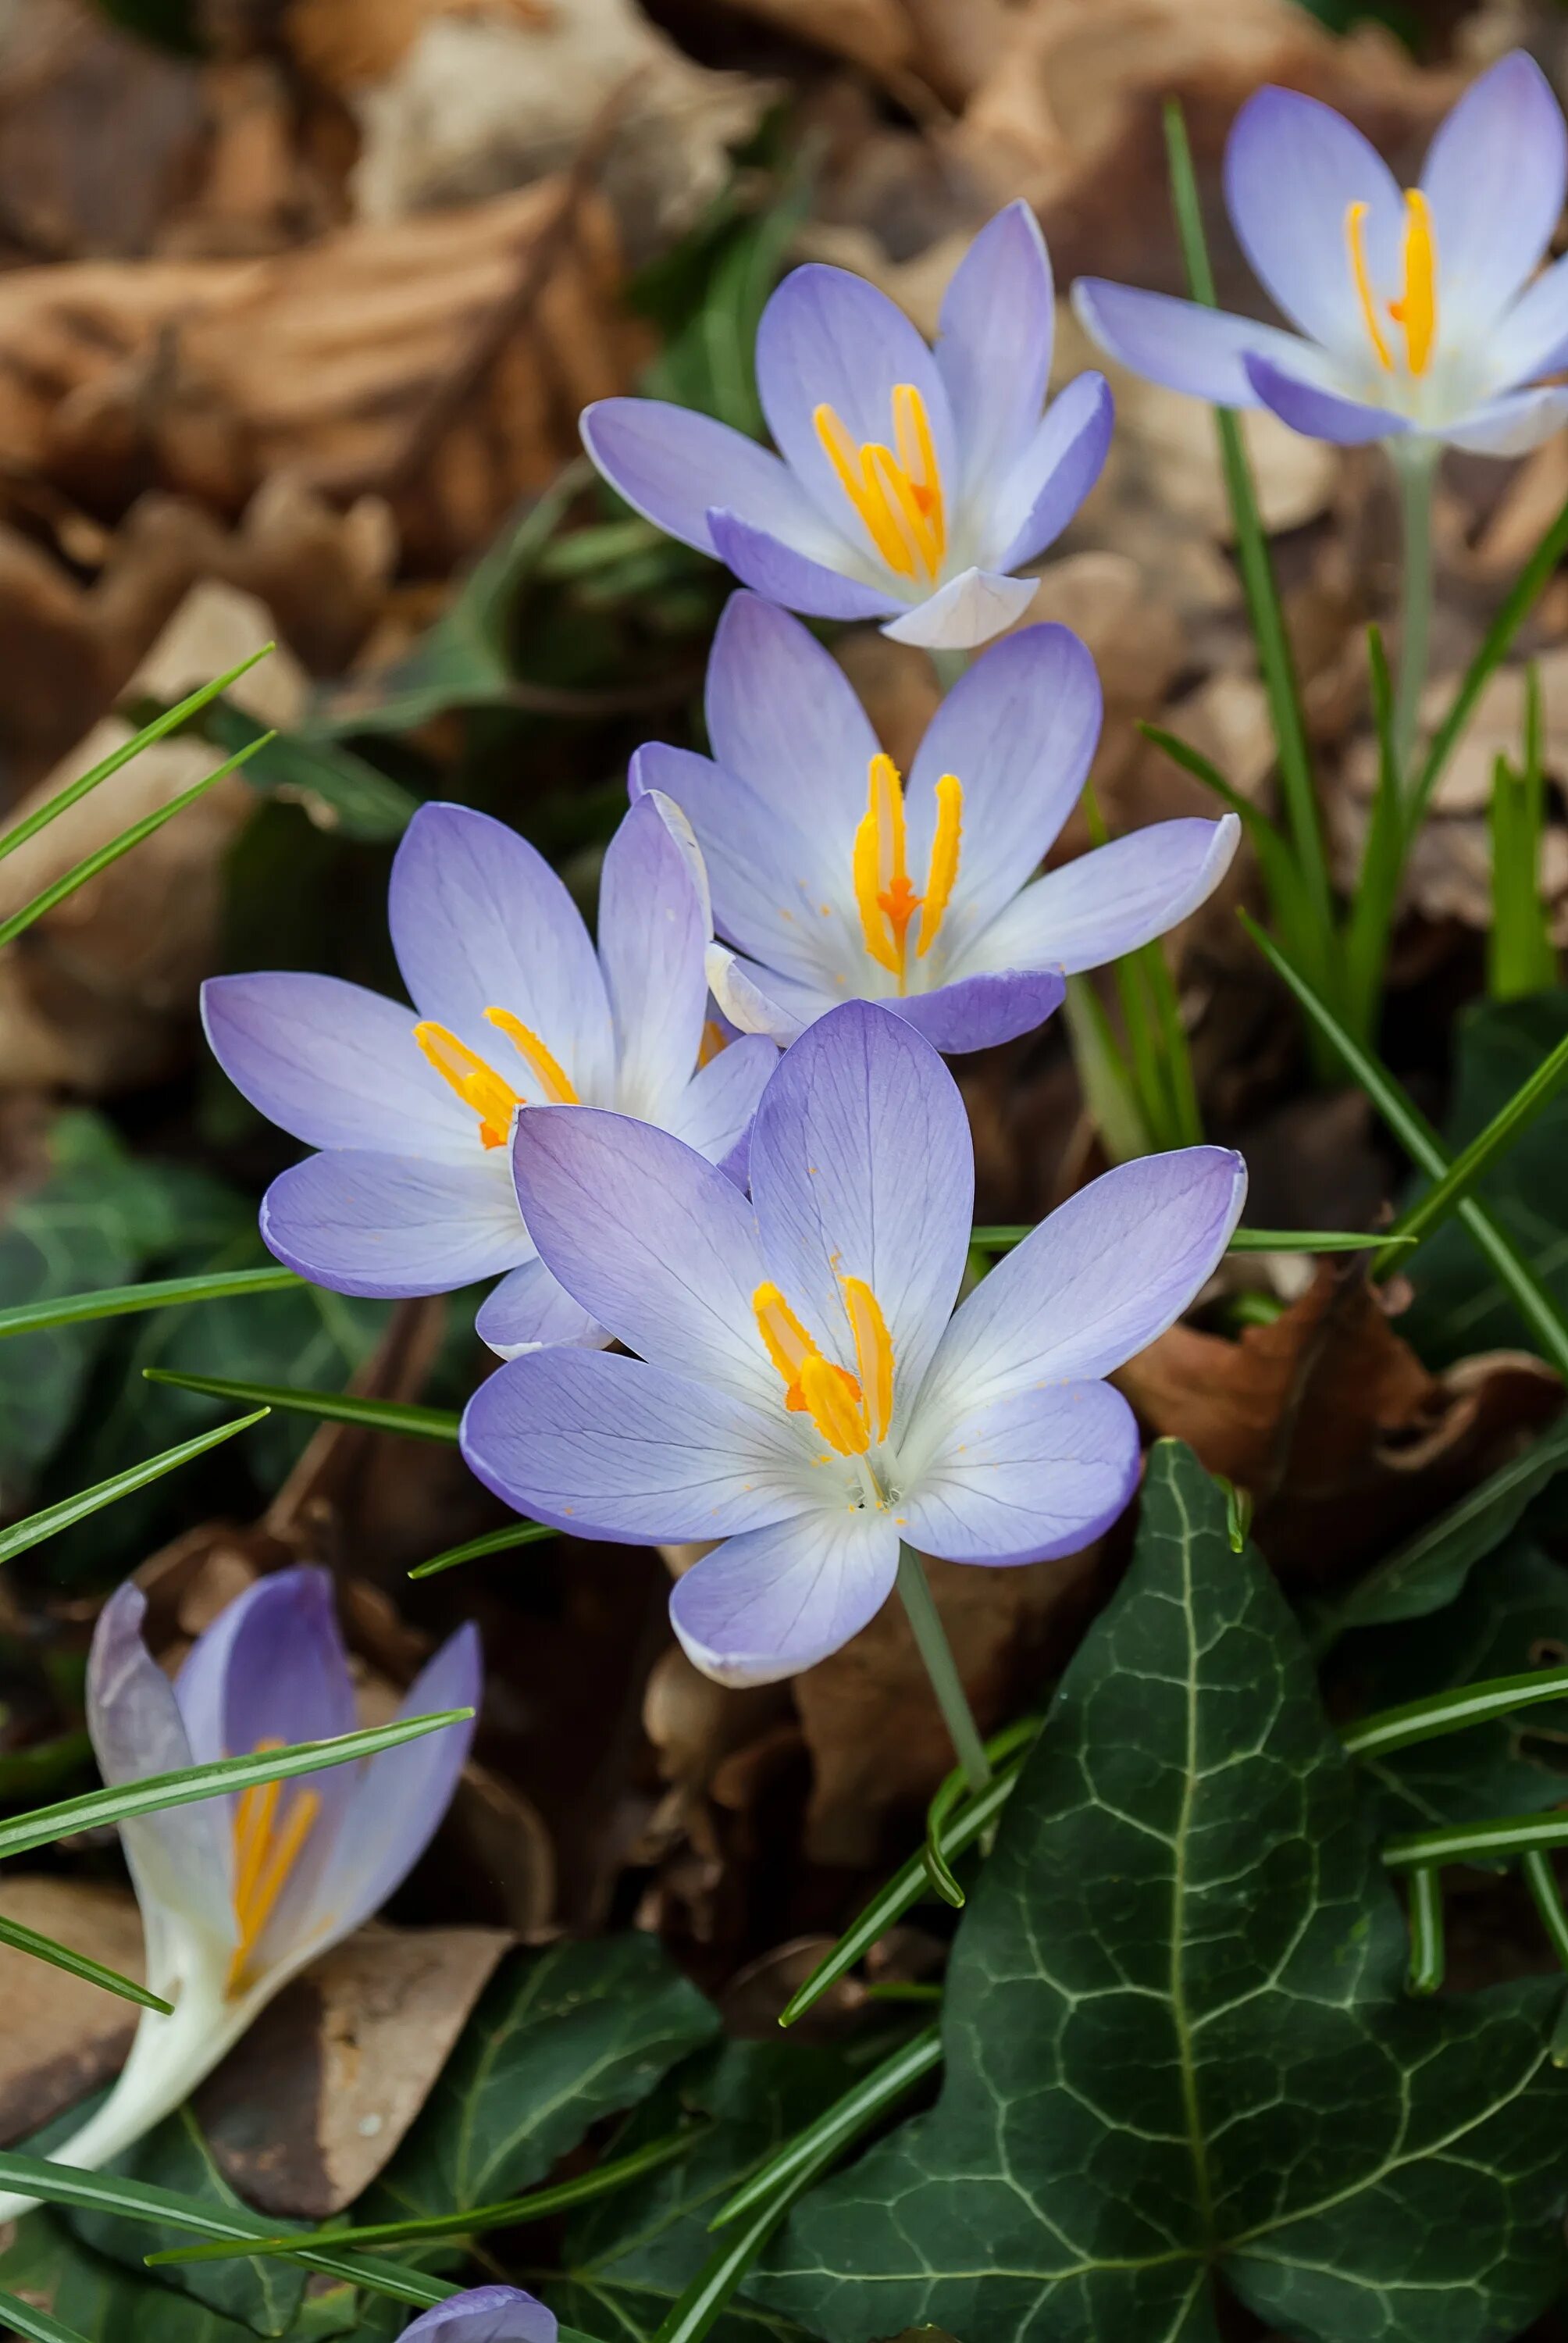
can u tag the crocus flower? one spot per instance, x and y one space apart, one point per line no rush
1415 312
238 1894
835 882
803 1390
910 483
485 2314
413 1109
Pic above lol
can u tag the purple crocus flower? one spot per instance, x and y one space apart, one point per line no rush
485 2314
1415 311
237 1894
413 1109
803 1390
833 882
910 483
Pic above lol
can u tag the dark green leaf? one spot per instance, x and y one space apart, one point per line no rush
1178 2044
338 790
560 2039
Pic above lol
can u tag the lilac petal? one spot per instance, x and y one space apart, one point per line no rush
783 891
1018 730
993 345
610 1447
1293 169
977 1013
798 580
713 1113
1111 900
1323 414
181 1859
479 919
1533 338
335 1065
1094 1283
675 467
862 1166
827 337
1055 472
969 609
1180 344
399 1797
485 2314
760 1000
649 1237
784 717
1494 178
1512 425
1037 1474
779 1600
386 1225
532 1310
652 935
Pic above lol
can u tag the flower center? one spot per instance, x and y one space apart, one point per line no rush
1415 311
850 1411
271 1826
477 1084
884 890
899 497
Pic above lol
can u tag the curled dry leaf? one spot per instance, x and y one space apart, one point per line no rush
1328 1419
62 2039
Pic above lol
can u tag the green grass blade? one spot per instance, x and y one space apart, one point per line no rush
1002 1238
38 2326
138 2200
153 1294
1520 954
36 1527
511 2213
1421 1143
835 2129
60 1957
218 1779
1542 1882
1445 1195
333 1407
1301 815
92 864
516 1534
1103 1074
1451 1712
1425 1916
1477 1843
1276 859
169 722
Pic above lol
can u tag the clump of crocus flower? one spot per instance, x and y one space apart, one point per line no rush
1414 308
412 1109
804 1390
237 1894
835 880
911 484
485 2314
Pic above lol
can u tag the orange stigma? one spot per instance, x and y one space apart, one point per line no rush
884 891
898 496
850 1411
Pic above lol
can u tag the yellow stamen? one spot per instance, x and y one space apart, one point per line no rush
897 497
873 1352
1416 311
546 1070
884 892
786 1340
813 1385
264 1857
944 867
495 1101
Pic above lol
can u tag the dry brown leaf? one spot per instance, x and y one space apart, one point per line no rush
62 2039
1329 1422
875 34
308 2109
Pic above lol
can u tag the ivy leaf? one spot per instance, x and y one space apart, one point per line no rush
1511 1616
1177 2045
1458 1307
628 2258
560 2040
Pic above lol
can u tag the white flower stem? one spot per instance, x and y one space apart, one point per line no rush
942 1669
1415 468
170 2057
